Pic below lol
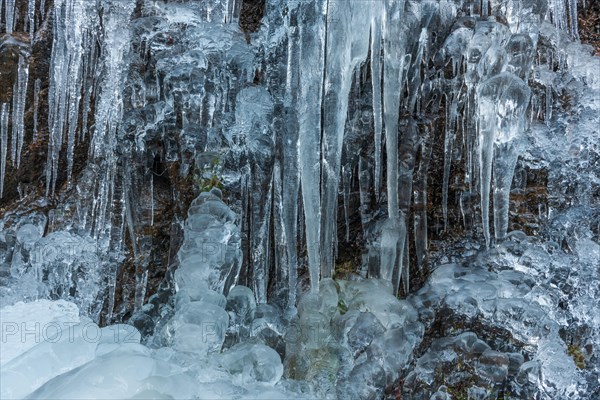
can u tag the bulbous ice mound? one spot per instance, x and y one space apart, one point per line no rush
50 352
210 254
45 342
198 327
253 363
21 316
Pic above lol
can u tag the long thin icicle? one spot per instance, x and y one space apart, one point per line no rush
9 15
37 86
109 111
19 110
31 16
377 107
291 181
4 111
394 232
311 71
448 146
347 45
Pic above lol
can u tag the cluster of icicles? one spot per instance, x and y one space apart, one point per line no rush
486 100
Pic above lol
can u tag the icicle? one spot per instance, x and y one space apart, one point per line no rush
31 15
394 230
19 96
502 102
548 112
461 204
403 274
36 105
392 242
393 85
309 139
233 11
484 8
573 23
347 46
9 15
408 148
377 107
415 82
505 161
448 146
88 88
4 111
291 207
347 182
13 138
486 154
260 226
390 236
420 200
281 278
559 14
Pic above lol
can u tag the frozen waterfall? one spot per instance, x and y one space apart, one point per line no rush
299 199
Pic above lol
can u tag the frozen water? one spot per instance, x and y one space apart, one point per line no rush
252 363
291 122
503 100
198 327
44 339
363 331
210 254
240 304
130 372
43 312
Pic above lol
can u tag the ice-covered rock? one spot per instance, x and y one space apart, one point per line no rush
364 330
240 304
24 325
198 327
252 363
53 342
131 372
269 327
210 255
493 365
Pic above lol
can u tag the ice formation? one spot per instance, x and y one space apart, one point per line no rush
410 129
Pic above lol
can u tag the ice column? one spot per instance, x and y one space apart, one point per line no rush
290 173
9 15
502 102
395 60
36 105
347 44
4 111
377 106
253 117
312 32
31 16
19 97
